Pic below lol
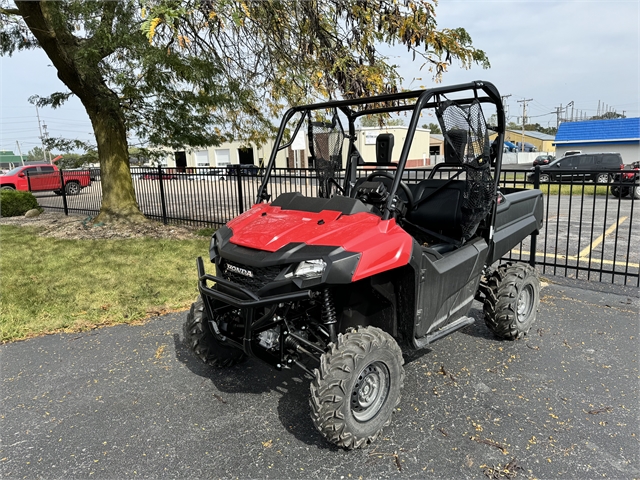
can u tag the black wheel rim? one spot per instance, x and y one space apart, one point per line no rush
525 303
370 391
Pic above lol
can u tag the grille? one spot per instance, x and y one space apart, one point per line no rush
261 275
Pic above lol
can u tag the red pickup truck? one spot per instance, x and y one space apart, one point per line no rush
45 177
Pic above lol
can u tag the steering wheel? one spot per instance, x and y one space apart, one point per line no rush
410 202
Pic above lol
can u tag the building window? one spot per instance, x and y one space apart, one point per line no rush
223 157
202 158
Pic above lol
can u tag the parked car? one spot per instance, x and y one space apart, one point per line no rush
156 176
528 147
511 147
44 177
543 160
244 169
212 175
597 167
627 182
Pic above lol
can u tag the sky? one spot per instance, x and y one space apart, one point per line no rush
552 52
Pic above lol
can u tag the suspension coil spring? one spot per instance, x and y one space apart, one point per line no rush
329 317
328 308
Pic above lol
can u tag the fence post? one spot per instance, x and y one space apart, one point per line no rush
240 195
63 189
162 200
534 235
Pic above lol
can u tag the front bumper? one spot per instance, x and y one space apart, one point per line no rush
238 296
226 293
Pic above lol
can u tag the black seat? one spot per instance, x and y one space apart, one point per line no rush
384 149
438 207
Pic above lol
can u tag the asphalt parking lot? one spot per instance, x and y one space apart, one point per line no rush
131 401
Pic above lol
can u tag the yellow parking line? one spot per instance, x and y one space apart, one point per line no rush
599 240
575 259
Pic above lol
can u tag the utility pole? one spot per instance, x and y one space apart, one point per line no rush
45 137
503 98
524 119
41 137
20 152
558 113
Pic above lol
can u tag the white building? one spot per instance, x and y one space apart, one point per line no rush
233 153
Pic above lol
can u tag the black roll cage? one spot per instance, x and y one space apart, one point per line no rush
429 98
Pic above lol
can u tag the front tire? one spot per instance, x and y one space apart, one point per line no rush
357 387
635 192
512 300
200 339
601 178
545 178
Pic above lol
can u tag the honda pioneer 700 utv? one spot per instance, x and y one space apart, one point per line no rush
333 284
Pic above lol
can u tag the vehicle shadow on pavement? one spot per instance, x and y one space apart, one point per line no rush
478 329
254 377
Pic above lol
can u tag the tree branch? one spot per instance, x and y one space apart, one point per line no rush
105 27
10 11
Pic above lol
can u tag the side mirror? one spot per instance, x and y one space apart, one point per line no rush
21 175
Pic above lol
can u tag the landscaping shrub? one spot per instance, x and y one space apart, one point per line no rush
14 203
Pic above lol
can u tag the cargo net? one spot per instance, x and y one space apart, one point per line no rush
467 144
325 145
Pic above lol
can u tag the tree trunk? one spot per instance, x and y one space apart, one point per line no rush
118 195
78 68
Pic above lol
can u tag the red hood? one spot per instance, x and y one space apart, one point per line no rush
382 243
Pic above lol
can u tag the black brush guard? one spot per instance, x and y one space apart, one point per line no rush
241 298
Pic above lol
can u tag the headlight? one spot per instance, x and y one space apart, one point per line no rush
310 268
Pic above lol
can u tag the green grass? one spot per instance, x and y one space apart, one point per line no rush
206 232
552 189
565 189
51 285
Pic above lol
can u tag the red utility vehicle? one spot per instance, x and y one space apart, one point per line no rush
627 182
44 177
374 259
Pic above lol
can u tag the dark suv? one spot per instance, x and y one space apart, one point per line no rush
598 167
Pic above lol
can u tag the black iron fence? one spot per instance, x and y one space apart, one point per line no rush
590 230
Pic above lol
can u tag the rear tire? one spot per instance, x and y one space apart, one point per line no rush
512 300
635 192
545 178
619 192
72 188
357 387
200 339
